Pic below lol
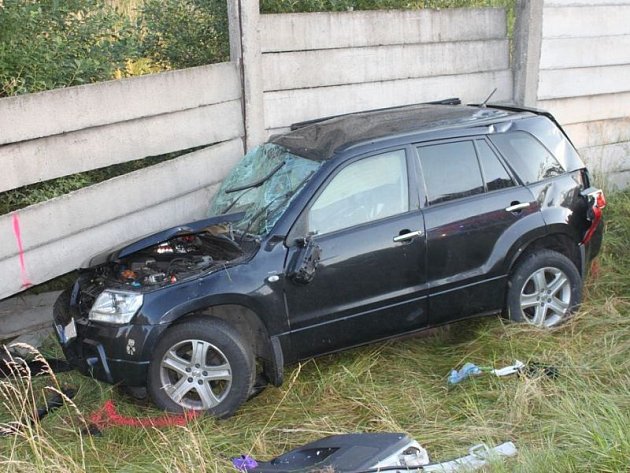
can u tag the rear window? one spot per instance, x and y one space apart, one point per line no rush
530 159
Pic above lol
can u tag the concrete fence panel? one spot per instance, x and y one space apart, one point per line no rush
308 31
77 129
309 69
285 107
49 239
322 64
566 53
592 19
57 111
584 80
59 155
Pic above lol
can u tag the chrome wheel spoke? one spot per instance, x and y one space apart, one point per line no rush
178 390
529 300
539 315
206 395
175 363
558 306
538 278
218 373
558 283
199 352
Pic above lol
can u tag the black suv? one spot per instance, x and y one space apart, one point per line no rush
338 233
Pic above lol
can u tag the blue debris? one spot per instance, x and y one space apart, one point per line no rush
469 369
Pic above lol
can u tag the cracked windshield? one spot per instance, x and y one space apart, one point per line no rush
262 185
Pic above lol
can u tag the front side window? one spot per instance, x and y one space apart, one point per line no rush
451 171
531 160
365 190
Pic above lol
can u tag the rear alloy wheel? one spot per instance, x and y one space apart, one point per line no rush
544 289
201 365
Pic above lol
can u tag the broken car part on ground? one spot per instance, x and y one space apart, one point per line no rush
341 232
371 452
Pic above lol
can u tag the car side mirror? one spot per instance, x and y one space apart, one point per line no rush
305 260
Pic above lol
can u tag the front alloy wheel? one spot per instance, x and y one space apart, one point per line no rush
202 364
196 374
545 288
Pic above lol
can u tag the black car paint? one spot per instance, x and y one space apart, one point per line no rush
407 288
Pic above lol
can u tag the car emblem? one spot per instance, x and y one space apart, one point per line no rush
131 346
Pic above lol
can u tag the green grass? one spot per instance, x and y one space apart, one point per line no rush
579 422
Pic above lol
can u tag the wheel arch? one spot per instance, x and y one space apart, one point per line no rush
560 242
250 325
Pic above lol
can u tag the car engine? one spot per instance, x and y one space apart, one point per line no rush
168 262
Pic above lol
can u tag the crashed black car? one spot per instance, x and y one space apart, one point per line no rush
338 233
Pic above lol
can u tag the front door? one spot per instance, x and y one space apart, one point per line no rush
371 280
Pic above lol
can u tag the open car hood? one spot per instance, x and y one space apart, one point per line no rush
147 241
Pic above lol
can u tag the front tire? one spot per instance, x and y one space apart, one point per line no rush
544 289
202 365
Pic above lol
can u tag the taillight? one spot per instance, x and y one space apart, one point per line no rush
600 199
596 202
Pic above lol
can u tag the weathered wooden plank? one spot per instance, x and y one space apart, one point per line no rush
600 132
57 111
563 83
59 234
591 108
302 69
283 108
562 53
305 31
59 155
583 21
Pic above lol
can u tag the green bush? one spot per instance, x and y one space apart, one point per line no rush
185 33
45 44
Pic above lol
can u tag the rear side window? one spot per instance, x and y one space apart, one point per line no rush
450 171
495 175
531 160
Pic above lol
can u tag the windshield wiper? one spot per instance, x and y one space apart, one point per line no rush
257 183
227 209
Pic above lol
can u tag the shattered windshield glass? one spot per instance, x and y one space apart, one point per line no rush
262 185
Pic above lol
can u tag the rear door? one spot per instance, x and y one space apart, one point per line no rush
471 201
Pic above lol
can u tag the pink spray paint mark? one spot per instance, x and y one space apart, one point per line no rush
18 238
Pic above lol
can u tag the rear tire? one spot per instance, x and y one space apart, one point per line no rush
202 365
544 289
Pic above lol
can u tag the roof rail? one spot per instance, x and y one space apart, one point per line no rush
449 101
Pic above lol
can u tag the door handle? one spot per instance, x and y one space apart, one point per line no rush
517 207
408 236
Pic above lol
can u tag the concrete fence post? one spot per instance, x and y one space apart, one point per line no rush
244 28
527 44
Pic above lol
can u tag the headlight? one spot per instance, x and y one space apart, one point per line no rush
115 307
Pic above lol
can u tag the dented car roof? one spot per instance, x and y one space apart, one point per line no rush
321 140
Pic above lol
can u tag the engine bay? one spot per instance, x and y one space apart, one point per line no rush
171 261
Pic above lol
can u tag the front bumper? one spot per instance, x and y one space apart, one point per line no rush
117 354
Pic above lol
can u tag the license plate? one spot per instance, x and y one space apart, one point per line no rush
67 332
